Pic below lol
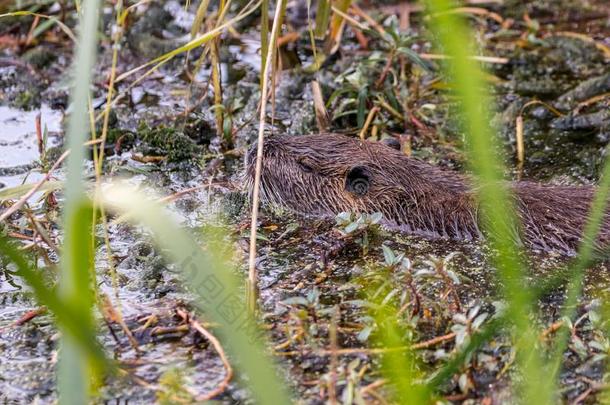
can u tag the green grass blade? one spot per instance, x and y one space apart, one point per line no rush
61 25
400 367
75 368
476 341
199 17
264 37
496 204
11 193
193 43
322 18
207 273
585 256
68 319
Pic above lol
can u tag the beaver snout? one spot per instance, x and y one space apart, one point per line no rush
250 157
358 181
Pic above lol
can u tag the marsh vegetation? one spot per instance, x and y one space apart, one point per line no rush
125 231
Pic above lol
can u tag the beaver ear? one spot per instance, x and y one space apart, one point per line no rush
358 181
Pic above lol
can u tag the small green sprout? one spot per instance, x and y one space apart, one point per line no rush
359 227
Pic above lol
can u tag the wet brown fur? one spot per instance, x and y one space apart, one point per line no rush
307 175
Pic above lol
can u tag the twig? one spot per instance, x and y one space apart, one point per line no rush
10 211
434 341
22 236
288 38
319 107
30 36
349 19
582 396
334 360
289 341
345 352
551 329
28 316
39 136
375 384
590 101
38 230
385 71
360 12
111 314
218 347
520 141
367 122
180 193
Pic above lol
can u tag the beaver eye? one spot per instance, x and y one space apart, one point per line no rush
358 181
306 166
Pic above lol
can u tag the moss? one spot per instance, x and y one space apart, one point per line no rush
116 135
40 57
52 154
25 100
198 129
233 204
169 142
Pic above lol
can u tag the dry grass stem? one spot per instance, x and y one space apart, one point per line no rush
322 117
367 122
485 59
252 274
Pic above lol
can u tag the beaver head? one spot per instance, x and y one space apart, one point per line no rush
325 174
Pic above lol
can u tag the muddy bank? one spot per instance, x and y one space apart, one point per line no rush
164 139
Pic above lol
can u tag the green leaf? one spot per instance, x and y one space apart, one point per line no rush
322 18
13 193
343 218
376 217
69 319
415 58
364 334
353 226
388 254
362 97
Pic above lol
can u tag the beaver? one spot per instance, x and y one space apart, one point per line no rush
325 174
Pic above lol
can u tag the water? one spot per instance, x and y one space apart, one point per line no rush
18 143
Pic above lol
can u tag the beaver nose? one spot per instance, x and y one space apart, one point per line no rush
358 181
270 146
250 157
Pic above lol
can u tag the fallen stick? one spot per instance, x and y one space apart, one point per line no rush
218 347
